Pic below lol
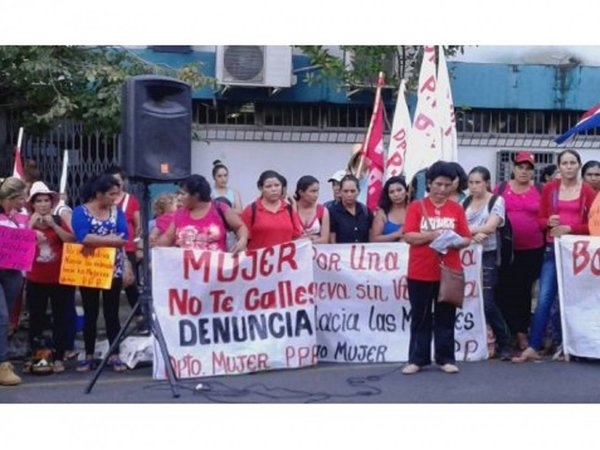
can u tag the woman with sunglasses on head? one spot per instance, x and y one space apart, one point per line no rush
389 219
564 210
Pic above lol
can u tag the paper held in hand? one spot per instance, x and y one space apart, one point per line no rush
446 239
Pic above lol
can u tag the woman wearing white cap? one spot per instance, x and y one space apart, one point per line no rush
42 280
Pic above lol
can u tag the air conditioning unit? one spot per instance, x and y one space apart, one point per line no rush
254 65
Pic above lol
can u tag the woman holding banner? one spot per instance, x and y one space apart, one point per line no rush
202 223
564 210
425 220
271 220
12 200
314 217
100 223
389 219
42 279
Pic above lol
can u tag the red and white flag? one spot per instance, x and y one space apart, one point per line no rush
18 167
424 146
375 150
446 110
399 137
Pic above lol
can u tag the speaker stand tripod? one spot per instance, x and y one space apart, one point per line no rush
144 303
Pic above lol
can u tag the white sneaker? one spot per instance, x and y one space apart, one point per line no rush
410 369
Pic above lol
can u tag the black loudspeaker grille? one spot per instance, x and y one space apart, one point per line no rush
157 128
244 62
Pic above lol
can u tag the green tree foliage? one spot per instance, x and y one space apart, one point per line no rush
49 84
360 64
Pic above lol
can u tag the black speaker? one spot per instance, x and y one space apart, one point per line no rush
156 139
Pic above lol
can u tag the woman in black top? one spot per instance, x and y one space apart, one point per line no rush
350 219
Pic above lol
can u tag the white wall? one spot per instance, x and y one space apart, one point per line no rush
246 161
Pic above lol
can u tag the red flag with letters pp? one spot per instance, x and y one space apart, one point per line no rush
375 151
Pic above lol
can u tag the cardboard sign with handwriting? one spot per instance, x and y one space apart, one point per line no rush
17 248
95 270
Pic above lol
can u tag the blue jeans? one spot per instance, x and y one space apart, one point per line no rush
493 315
10 285
547 298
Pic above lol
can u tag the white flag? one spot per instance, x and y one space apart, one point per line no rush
401 125
424 146
446 110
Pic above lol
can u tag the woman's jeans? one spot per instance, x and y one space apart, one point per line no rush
10 286
493 315
547 298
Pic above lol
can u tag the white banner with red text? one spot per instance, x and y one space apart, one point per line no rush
363 311
578 273
222 314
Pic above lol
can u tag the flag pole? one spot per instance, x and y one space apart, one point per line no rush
380 81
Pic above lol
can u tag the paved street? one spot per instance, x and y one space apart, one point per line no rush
481 382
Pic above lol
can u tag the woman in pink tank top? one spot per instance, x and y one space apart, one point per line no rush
201 223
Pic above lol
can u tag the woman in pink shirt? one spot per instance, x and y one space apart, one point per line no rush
202 223
564 210
522 198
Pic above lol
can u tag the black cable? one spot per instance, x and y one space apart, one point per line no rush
220 392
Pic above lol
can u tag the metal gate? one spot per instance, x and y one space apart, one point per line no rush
89 154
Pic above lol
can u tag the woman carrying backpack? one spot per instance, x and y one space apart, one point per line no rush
486 213
314 217
270 219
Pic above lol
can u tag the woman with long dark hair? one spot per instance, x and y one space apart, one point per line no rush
99 222
314 217
389 219
564 210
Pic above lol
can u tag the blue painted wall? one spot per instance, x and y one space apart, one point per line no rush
475 85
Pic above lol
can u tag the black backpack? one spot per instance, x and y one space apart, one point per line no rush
504 234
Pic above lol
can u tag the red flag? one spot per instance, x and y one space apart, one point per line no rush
18 167
375 151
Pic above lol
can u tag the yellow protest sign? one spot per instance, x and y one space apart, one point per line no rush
594 217
94 270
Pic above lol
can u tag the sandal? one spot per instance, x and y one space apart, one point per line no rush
529 354
116 364
58 366
85 365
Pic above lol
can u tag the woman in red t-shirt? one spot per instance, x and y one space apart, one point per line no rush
270 219
42 279
420 230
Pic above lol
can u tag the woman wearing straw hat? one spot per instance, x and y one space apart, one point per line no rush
42 280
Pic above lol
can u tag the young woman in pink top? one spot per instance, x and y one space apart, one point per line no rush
202 223
564 210
522 198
